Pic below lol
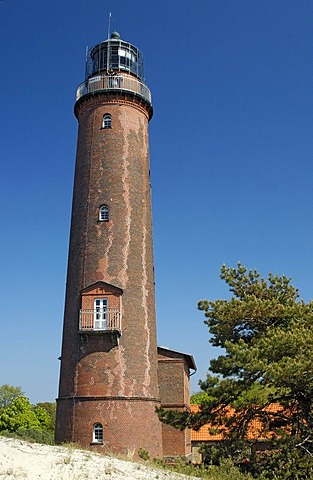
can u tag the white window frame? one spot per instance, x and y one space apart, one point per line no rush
104 213
107 121
100 318
97 433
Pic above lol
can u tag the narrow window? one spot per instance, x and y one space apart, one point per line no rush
106 122
100 314
104 213
97 433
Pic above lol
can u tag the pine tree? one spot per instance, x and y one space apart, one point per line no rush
266 370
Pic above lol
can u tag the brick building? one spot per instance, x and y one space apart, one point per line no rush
257 438
174 372
109 376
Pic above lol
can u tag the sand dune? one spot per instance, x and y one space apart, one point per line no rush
31 461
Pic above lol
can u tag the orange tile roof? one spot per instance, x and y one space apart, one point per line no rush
204 435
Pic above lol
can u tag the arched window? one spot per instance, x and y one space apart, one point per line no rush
104 213
107 121
97 435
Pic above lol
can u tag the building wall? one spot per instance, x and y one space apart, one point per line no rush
79 415
175 442
102 290
112 168
173 375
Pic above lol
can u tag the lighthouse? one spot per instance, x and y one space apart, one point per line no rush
108 389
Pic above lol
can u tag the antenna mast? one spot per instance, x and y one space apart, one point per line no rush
86 63
109 25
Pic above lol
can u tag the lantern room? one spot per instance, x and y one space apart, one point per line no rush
114 55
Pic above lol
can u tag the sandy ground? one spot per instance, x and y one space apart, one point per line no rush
31 461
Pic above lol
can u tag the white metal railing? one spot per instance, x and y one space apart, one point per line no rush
100 319
113 82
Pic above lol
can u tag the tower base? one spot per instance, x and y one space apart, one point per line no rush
129 424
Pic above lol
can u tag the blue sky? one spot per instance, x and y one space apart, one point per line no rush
231 159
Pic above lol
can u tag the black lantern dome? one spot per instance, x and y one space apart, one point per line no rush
114 55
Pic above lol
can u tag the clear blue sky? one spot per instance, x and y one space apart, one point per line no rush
231 159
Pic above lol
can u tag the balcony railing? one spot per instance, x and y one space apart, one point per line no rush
118 82
108 319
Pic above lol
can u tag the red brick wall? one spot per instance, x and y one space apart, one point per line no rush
87 298
171 381
186 386
112 168
174 441
173 375
118 419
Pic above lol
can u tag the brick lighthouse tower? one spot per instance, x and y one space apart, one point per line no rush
108 381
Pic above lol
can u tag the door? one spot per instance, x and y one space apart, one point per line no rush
100 313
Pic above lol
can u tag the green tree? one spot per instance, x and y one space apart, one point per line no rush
22 414
50 408
198 397
8 393
267 336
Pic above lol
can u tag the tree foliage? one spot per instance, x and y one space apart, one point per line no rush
22 414
7 394
198 397
50 408
266 332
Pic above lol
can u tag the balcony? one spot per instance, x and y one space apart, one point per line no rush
117 82
100 320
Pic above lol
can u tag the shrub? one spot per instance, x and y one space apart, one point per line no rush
225 471
144 454
30 435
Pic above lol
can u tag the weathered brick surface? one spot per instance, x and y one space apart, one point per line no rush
120 420
101 290
175 442
173 373
112 168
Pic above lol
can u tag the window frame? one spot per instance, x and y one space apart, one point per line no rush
100 316
103 213
106 121
97 433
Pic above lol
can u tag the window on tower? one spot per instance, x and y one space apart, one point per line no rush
97 436
100 314
104 213
107 121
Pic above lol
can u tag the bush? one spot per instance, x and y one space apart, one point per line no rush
282 460
50 408
144 454
22 414
287 463
30 435
225 471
